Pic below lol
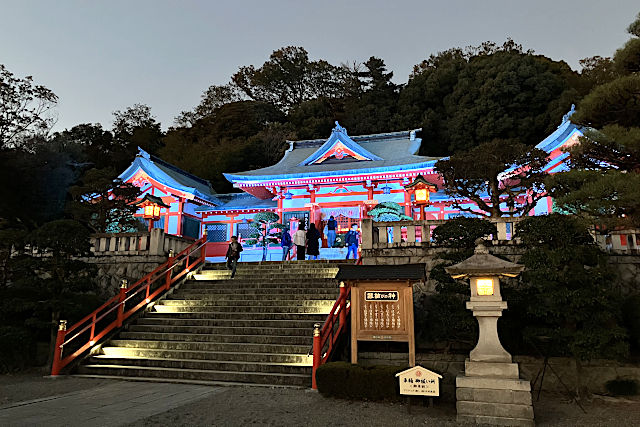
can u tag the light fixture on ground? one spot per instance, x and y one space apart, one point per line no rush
490 391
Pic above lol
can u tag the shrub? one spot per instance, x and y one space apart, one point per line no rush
631 318
17 349
347 381
462 232
621 387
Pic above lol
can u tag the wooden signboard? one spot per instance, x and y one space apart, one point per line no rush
382 311
419 381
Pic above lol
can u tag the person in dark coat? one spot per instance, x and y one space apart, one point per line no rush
233 255
313 246
351 241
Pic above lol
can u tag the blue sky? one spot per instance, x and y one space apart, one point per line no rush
101 56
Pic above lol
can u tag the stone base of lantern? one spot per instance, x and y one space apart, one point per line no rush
492 393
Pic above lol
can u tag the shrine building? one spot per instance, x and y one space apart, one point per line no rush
343 176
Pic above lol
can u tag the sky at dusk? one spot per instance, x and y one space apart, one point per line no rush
101 56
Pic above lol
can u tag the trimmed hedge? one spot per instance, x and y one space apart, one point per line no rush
347 381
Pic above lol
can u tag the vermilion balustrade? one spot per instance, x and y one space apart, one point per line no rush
93 328
325 338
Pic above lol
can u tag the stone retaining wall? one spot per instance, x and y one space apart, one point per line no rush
626 265
595 374
113 268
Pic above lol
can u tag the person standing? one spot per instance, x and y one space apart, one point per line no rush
313 246
331 231
300 240
286 243
351 241
233 255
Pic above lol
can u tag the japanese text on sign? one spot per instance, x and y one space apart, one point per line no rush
392 296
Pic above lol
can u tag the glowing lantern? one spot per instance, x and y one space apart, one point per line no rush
151 206
484 271
420 188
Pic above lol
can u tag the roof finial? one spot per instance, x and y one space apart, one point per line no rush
339 128
565 118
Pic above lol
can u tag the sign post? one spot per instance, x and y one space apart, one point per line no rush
382 303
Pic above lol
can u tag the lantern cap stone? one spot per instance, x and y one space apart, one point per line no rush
482 263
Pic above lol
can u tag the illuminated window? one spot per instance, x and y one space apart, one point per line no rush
485 286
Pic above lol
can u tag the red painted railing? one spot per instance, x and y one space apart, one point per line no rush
93 328
325 338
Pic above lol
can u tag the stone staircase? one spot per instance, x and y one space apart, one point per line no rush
253 329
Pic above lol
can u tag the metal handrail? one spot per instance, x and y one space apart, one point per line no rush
164 270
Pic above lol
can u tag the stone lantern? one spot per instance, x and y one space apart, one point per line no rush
490 391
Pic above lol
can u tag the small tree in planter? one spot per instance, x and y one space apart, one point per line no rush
388 211
266 229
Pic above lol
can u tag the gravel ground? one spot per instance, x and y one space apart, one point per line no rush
240 406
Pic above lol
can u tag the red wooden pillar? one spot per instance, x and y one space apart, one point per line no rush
121 297
407 204
167 280
57 351
343 308
317 357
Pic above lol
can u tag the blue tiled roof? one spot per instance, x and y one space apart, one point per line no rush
237 201
171 176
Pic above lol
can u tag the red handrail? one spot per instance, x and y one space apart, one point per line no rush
328 335
118 303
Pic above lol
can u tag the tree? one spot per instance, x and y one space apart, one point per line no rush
25 109
388 211
603 184
59 278
137 127
103 204
289 78
210 101
565 292
502 177
462 98
266 229
374 108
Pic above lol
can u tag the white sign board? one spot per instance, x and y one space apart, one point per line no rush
420 381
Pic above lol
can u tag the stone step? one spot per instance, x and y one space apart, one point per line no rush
276 265
284 303
280 290
254 275
228 315
181 381
301 285
223 330
236 356
239 311
169 322
212 346
205 296
219 338
197 374
216 365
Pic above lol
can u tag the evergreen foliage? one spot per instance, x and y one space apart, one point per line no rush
566 292
266 229
480 172
461 233
388 211
603 184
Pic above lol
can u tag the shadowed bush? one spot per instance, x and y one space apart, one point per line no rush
347 381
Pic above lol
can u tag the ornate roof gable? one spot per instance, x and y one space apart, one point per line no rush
339 146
